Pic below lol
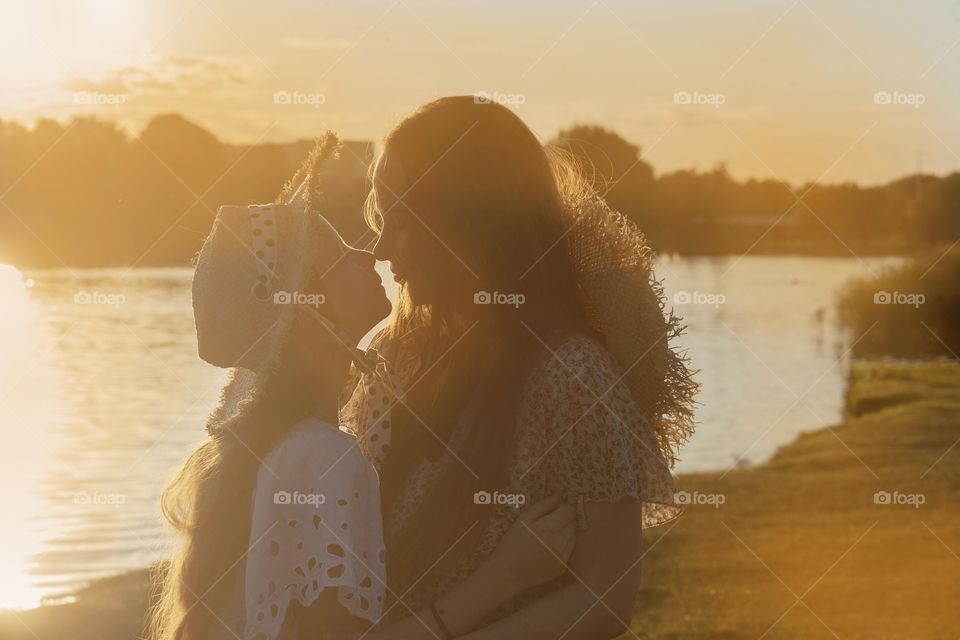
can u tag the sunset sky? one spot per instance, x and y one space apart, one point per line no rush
786 87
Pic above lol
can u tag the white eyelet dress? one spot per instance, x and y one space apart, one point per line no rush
316 525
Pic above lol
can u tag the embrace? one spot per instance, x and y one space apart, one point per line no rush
486 468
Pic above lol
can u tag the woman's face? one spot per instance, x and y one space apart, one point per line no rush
400 229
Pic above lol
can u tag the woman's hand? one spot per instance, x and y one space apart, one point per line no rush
534 550
536 547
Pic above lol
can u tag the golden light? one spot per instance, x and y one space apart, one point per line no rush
28 392
55 43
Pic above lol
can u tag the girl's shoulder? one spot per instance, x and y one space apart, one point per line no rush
315 526
314 431
312 447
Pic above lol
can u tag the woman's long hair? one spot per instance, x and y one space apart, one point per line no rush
489 197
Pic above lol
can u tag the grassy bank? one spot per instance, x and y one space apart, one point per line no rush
798 549
806 526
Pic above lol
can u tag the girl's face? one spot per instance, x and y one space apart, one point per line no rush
353 294
350 294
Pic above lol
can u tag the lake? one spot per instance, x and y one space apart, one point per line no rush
102 395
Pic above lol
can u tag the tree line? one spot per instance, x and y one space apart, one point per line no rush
87 193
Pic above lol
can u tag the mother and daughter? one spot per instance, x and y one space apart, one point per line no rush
486 468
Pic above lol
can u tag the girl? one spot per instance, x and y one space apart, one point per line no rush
531 338
278 512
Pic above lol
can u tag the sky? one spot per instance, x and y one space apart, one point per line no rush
799 90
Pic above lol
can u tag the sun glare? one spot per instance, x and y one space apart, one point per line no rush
63 42
25 403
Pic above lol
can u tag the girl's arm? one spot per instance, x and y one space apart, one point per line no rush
599 603
532 552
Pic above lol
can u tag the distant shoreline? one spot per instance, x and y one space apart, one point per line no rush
153 197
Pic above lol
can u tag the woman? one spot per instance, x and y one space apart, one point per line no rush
278 512
531 340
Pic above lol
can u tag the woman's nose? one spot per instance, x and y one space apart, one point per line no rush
381 249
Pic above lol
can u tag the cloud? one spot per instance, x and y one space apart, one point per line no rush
175 73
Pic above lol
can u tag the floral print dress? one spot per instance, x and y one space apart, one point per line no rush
580 434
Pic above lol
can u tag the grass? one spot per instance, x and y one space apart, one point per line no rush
799 549
908 311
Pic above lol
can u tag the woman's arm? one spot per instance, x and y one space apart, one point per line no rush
532 552
599 603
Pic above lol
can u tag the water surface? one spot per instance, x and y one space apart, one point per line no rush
102 395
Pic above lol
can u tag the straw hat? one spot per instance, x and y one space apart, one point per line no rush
625 303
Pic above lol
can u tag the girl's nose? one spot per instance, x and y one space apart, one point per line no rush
365 258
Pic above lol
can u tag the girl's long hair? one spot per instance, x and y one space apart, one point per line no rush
490 201
209 501
208 504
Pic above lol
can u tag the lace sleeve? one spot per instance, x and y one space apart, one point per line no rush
316 525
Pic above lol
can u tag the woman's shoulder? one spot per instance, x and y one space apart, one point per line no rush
576 356
578 382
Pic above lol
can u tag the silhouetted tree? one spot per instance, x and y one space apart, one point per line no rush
614 167
937 215
86 193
